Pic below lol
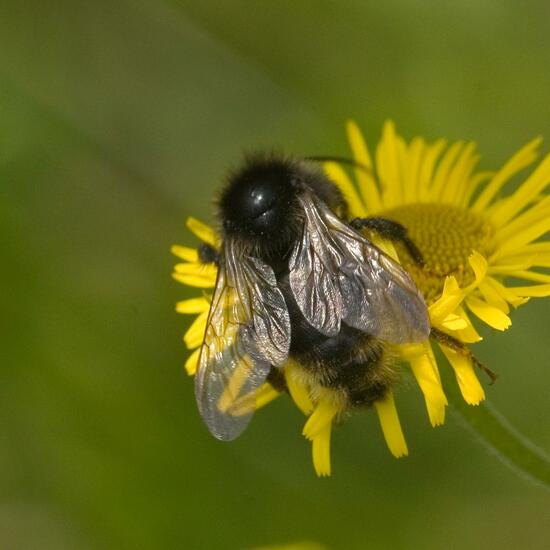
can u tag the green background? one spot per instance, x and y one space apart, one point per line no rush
117 121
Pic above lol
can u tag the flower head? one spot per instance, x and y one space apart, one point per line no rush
474 239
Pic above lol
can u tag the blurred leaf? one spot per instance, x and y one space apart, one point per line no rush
494 431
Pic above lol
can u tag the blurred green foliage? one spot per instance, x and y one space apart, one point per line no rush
118 120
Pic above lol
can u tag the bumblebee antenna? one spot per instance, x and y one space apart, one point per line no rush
341 160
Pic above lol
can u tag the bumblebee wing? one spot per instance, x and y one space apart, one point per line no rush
338 275
248 331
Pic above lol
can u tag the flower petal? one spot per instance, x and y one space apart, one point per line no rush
185 253
367 183
265 394
320 448
193 362
391 427
389 154
199 281
466 377
520 160
455 185
195 333
425 371
469 334
444 168
429 161
203 231
320 418
537 291
535 184
491 315
193 305
297 387
505 292
337 174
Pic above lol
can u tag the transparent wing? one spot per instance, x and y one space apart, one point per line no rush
338 275
248 331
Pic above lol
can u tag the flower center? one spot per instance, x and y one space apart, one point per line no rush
446 235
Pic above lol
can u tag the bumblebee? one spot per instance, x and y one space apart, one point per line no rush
298 280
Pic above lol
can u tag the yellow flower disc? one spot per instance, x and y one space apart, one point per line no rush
445 235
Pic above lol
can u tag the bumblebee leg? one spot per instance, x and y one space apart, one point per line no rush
208 254
392 231
456 345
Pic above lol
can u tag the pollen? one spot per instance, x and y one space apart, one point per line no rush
445 234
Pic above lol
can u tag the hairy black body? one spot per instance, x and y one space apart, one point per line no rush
257 207
297 279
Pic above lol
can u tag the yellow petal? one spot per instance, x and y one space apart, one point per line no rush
528 191
479 265
443 169
427 169
320 418
388 163
204 270
185 253
489 314
320 448
532 250
193 305
471 389
493 297
385 246
450 299
468 335
524 221
454 322
523 158
204 232
475 181
522 238
231 401
531 276
540 259
198 281
252 401
459 175
367 184
506 293
193 362
536 291
391 427
195 334
411 169
265 395
297 387
424 368
336 173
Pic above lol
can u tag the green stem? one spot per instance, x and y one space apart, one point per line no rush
493 430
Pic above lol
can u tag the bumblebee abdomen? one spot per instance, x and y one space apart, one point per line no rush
358 366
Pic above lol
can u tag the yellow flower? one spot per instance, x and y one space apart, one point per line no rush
474 238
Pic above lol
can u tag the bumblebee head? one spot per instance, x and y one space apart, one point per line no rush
259 198
260 205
